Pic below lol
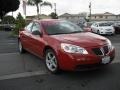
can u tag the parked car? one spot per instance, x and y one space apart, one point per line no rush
103 28
117 27
81 25
64 46
87 27
7 27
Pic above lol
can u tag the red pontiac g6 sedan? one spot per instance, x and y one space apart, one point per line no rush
63 45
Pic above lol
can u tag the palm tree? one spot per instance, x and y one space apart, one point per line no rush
45 4
37 3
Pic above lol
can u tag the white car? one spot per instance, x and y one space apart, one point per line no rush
102 28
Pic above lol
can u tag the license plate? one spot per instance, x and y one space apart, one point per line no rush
105 59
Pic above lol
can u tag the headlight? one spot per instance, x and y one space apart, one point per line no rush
73 48
109 44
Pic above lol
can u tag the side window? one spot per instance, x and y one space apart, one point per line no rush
29 27
93 25
36 27
96 25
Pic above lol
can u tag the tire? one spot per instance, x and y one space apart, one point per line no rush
21 49
92 30
51 61
113 34
98 32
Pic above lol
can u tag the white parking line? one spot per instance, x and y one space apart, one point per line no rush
1 54
25 74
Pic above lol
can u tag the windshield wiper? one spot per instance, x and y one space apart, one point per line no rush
76 32
57 33
65 33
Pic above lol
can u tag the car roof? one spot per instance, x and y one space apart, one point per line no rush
47 20
100 22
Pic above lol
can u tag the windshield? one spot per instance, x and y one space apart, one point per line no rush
105 24
61 27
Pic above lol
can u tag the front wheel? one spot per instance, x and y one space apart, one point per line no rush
21 49
51 61
98 32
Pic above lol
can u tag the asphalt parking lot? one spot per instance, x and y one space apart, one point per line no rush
28 72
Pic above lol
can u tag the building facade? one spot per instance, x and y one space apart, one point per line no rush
42 16
105 17
75 18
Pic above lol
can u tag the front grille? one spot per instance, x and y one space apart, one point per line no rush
97 51
108 32
101 51
108 29
106 49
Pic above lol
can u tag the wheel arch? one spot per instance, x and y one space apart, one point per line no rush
46 48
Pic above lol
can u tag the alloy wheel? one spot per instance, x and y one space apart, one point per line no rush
51 62
20 47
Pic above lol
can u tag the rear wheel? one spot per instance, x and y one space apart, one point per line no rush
21 49
51 61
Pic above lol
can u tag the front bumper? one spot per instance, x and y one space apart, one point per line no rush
75 62
106 32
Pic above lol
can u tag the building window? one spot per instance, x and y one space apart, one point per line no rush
100 16
106 17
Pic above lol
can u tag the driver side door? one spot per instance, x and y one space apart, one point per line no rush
37 40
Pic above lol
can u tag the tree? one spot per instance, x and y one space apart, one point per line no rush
35 3
8 20
19 23
87 19
38 3
8 6
53 15
45 4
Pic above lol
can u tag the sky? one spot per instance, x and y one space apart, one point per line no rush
75 7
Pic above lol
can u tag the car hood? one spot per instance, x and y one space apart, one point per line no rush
107 27
84 39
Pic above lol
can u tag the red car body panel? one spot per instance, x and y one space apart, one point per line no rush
36 45
71 61
87 29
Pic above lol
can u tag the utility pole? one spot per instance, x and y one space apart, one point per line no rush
55 7
12 14
90 11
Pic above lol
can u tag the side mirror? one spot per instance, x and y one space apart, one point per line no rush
36 32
